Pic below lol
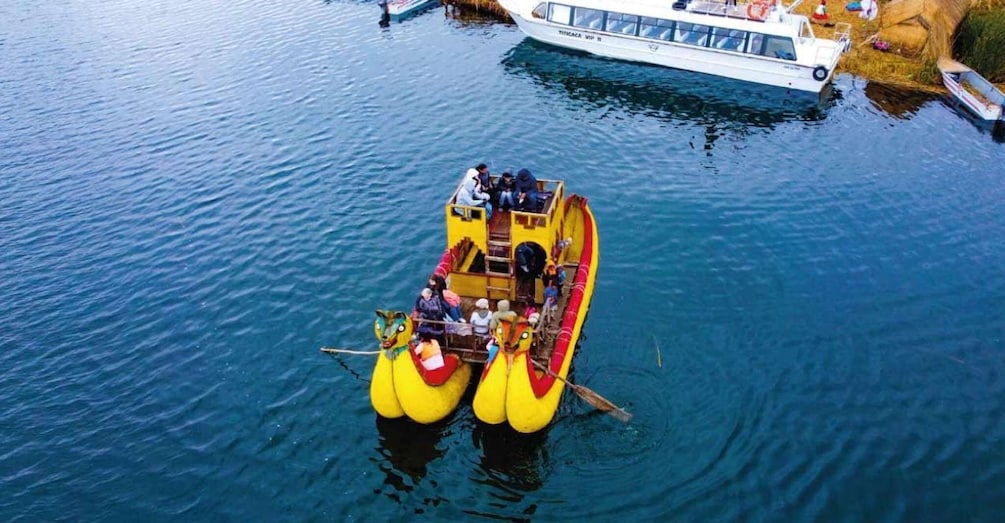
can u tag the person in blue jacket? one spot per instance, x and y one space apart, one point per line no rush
526 190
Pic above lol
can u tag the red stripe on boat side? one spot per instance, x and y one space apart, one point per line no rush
542 385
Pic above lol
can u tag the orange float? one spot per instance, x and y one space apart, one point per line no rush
758 10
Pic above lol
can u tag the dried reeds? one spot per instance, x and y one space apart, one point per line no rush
922 28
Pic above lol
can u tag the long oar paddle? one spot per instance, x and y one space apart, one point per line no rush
599 402
333 350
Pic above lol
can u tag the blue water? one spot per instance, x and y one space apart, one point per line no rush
800 299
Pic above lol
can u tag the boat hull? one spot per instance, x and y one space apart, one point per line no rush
399 10
383 395
511 389
399 389
956 76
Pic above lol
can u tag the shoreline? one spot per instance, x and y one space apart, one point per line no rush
884 67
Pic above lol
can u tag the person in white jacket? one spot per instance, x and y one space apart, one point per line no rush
471 194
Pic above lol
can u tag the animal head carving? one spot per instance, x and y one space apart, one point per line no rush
392 328
514 336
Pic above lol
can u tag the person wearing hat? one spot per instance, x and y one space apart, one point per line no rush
552 274
481 318
472 195
526 190
502 314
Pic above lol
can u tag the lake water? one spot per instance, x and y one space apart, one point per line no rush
196 196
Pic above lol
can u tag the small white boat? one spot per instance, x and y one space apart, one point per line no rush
399 10
758 41
971 89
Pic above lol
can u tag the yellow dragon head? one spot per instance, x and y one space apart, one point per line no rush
392 328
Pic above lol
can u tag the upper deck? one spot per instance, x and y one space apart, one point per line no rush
515 226
485 262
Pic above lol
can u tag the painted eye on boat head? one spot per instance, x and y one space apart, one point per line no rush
401 328
524 335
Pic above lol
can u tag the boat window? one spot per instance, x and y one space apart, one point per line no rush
656 28
779 47
756 43
727 39
805 31
622 23
588 18
540 11
692 34
559 13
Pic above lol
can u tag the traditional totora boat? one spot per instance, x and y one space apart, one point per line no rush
978 95
503 258
758 41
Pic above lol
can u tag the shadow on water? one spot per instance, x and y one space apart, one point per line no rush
898 102
407 449
903 104
662 92
514 464
465 15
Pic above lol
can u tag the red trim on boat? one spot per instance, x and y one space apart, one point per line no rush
438 376
541 385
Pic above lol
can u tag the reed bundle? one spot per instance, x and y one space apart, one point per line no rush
922 28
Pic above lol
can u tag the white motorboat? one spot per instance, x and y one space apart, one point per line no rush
972 90
398 10
758 41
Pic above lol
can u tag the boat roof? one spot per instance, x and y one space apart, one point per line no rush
948 65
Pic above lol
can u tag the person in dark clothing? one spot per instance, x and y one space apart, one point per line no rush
429 306
437 284
507 192
485 182
526 190
524 260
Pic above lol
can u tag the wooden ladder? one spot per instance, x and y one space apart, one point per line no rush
499 263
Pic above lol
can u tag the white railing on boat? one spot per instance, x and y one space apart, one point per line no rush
732 8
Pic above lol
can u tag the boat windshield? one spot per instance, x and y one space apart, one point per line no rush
805 32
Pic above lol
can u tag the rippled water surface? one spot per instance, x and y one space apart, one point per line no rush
195 196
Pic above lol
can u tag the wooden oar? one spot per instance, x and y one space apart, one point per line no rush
333 350
599 402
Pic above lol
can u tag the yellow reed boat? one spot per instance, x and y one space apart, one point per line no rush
498 258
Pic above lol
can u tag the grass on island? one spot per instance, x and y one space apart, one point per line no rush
980 42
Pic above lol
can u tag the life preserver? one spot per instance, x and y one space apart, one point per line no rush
757 10
819 73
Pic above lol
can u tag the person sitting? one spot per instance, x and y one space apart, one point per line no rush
471 194
453 301
429 353
526 190
507 192
438 285
430 307
503 313
481 318
485 182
